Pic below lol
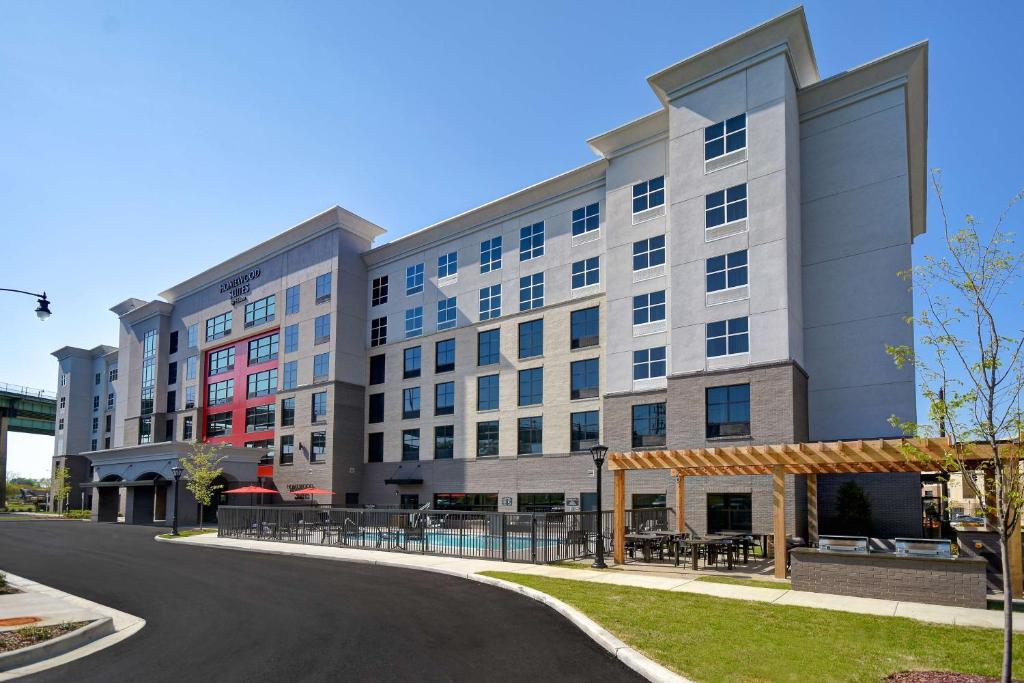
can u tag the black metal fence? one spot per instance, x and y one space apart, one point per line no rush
537 537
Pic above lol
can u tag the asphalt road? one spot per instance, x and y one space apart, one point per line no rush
233 616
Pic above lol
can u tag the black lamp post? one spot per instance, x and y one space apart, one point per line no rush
598 453
42 310
176 471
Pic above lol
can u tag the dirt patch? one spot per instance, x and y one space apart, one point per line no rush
938 677
19 621
8 590
30 635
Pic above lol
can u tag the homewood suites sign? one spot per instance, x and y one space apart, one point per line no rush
239 286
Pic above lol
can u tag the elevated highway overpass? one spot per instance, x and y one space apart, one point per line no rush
25 410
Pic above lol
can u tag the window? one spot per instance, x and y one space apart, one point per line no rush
727 337
726 271
262 383
259 418
193 342
649 253
444 398
112 375
490 302
488 347
447 264
472 502
218 326
531 387
649 194
288 412
263 349
376 408
411 444
487 439
379 331
444 356
191 363
648 500
412 362
725 206
321 366
584 430
446 312
95 403
377 367
186 428
410 403
290 380
375 447
487 392
531 291
323 288
379 293
93 445
322 328
649 308
649 363
584 378
319 407
260 311
414 279
110 402
413 322
63 401
291 299
95 424
584 328
728 411
729 512
444 442
190 397
725 136
172 342
172 372
218 424
586 272
531 436
585 219
98 379
490 254
649 425
220 392
286 454
60 425
291 338
318 446
222 361
146 430
531 241
531 338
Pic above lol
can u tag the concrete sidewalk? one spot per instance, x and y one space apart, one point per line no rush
938 614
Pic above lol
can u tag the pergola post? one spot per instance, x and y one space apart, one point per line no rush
779 519
619 532
1014 553
680 503
812 509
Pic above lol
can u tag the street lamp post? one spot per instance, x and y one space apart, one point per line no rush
176 471
598 453
42 310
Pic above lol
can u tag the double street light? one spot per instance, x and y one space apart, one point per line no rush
42 310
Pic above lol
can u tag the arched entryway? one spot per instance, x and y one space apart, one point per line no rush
225 482
109 499
149 502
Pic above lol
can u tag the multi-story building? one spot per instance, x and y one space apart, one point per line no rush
726 272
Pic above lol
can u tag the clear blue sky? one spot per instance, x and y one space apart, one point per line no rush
144 142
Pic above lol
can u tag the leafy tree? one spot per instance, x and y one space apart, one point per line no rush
853 509
201 466
969 367
61 488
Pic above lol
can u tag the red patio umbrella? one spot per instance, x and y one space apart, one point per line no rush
252 489
313 491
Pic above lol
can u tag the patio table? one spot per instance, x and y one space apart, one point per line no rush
708 543
647 541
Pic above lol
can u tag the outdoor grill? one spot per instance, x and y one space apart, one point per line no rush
843 544
924 547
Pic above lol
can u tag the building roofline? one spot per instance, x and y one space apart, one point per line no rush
95 352
638 131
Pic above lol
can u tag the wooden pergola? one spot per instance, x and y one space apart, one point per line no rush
810 459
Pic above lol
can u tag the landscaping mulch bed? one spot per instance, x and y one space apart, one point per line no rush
8 590
938 677
30 635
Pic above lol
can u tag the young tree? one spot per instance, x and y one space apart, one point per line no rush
969 367
201 466
61 488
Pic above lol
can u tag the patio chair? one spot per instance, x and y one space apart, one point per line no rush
575 543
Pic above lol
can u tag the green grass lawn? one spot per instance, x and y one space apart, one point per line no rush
189 532
718 639
754 583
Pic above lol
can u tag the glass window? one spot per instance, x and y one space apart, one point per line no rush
377 369
110 402
584 328
531 291
146 430
444 356
531 436
585 219
531 387
531 241
729 512
191 364
323 288
218 326
262 383
487 438
649 253
413 322
414 279
649 425
586 272
490 302
193 342
584 378
321 365
319 406
288 412
322 328
412 362
444 398
172 376
725 136
728 411
649 194
410 403
172 347
471 502
584 430
444 442
291 300
375 447
260 311
221 361
488 347
447 264
490 254
379 291
376 408
186 428
218 424
411 444
190 397
531 338
726 337
379 331
291 375
487 392
291 338
220 392
259 418
286 453
649 363
263 349
725 206
649 308
318 446
726 271
446 313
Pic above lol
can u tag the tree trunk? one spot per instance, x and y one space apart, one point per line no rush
1007 668
200 516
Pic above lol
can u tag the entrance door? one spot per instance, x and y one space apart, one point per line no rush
409 501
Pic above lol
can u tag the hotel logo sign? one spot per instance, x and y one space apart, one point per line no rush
238 287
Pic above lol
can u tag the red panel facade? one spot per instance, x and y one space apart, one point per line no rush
240 400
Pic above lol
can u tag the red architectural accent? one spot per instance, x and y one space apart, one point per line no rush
239 402
266 471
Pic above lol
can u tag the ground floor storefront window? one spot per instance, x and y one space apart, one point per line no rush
729 512
541 502
473 502
648 500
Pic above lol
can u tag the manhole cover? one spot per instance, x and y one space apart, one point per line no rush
19 621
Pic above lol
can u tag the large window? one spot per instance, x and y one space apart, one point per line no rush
729 512
531 387
728 411
291 300
376 410
191 364
262 383
490 302
444 442
413 322
291 338
531 241
584 378
220 392
319 407
649 363
218 326
379 291
444 398
584 430
377 367
221 361
323 288
218 424
193 342
414 279
318 446
725 206
487 439
490 254
531 338
531 436
447 264
447 312
322 328
190 398
488 347
725 136
649 194
584 328
649 425
410 403
649 252
263 349
726 271
260 311
411 444
649 308
541 502
470 502
586 272
487 392
531 291
259 418
444 356
727 337
288 412
321 366
412 362
286 454
379 331
290 378
585 219
375 447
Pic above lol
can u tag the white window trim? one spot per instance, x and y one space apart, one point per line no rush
727 355
585 271
746 129
735 288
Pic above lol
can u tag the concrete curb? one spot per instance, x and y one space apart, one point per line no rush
636 661
55 647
